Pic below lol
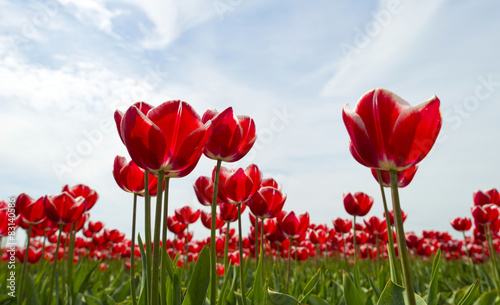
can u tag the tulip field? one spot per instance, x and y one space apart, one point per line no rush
71 258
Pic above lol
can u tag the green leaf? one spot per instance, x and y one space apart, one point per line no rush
143 288
259 291
469 295
31 294
488 298
433 285
316 300
352 295
374 287
84 283
90 300
277 298
108 300
198 285
121 292
309 287
394 294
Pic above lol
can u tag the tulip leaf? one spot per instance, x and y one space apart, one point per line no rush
433 285
277 298
143 289
31 292
352 295
394 294
198 285
309 287
316 300
470 293
488 298
90 300
259 291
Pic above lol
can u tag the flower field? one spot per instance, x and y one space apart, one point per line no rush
71 258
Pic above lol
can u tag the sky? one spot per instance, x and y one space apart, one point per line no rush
67 65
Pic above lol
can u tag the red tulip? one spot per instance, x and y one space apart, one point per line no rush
174 225
169 137
374 225
391 216
130 177
270 182
318 237
204 190
388 133
45 228
81 222
84 191
229 212
267 202
31 211
113 235
404 176
342 226
357 204
237 186
486 214
64 208
489 196
292 226
233 136
206 220
95 227
187 215
461 224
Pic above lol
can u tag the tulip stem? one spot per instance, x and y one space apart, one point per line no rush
493 257
147 236
156 241
240 241
256 242
25 262
400 233
132 253
72 234
345 251
262 243
56 255
213 254
354 239
392 254
226 250
163 276
288 266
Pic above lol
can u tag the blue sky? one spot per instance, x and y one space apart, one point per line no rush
65 66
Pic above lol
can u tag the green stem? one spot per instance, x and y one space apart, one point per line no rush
392 254
25 263
354 239
147 235
163 276
56 257
262 243
345 251
226 249
132 254
493 257
186 248
156 242
256 242
288 266
213 254
72 235
403 251
242 275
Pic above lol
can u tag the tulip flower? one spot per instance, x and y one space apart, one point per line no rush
229 212
461 224
357 204
233 136
238 186
204 190
487 197
169 137
292 226
267 202
391 216
84 191
388 133
187 215
130 177
343 226
486 214
174 225
64 208
206 220
30 210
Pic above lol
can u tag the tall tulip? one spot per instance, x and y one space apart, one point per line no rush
168 140
387 133
233 138
486 197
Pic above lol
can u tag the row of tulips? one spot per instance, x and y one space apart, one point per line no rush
387 135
